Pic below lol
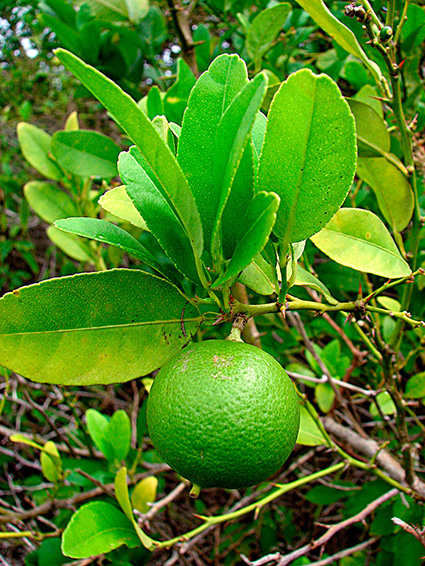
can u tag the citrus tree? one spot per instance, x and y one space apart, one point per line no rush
248 191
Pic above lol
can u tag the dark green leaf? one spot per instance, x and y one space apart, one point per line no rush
257 225
175 100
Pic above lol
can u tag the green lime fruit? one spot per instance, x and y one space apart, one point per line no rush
223 414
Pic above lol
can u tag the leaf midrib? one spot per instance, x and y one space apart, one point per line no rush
372 244
99 328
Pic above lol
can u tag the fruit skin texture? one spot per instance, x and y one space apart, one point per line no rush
223 414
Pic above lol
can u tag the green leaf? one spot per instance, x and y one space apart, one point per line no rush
257 225
309 433
48 201
111 436
71 245
105 327
24 440
372 134
96 426
35 146
309 154
71 123
260 277
121 492
258 133
86 153
264 29
306 279
140 129
339 32
159 216
117 202
144 493
368 95
97 528
51 464
324 395
103 231
358 239
415 387
176 97
119 433
233 133
215 90
154 103
392 190
385 403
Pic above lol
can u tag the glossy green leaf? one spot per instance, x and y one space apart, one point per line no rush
110 10
265 28
69 244
35 146
258 133
392 190
415 387
97 528
373 137
48 201
176 97
309 433
108 233
257 225
233 133
154 103
260 277
104 327
215 90
241 194
86 153
163 128
117 202
140 129
144 493
158 214
121 493
309 154
50 461
339 32
358 239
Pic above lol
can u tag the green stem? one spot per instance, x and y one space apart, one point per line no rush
209 521
389 21
403 19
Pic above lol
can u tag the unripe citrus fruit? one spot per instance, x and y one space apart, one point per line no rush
223 414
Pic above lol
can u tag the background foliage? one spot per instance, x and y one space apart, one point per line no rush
57 452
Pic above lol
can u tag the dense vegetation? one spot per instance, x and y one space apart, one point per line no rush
339 304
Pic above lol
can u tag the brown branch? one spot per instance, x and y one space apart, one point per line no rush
372 449
72 501
334 529
181 20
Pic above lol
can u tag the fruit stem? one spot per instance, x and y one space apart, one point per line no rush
237 327
195 491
